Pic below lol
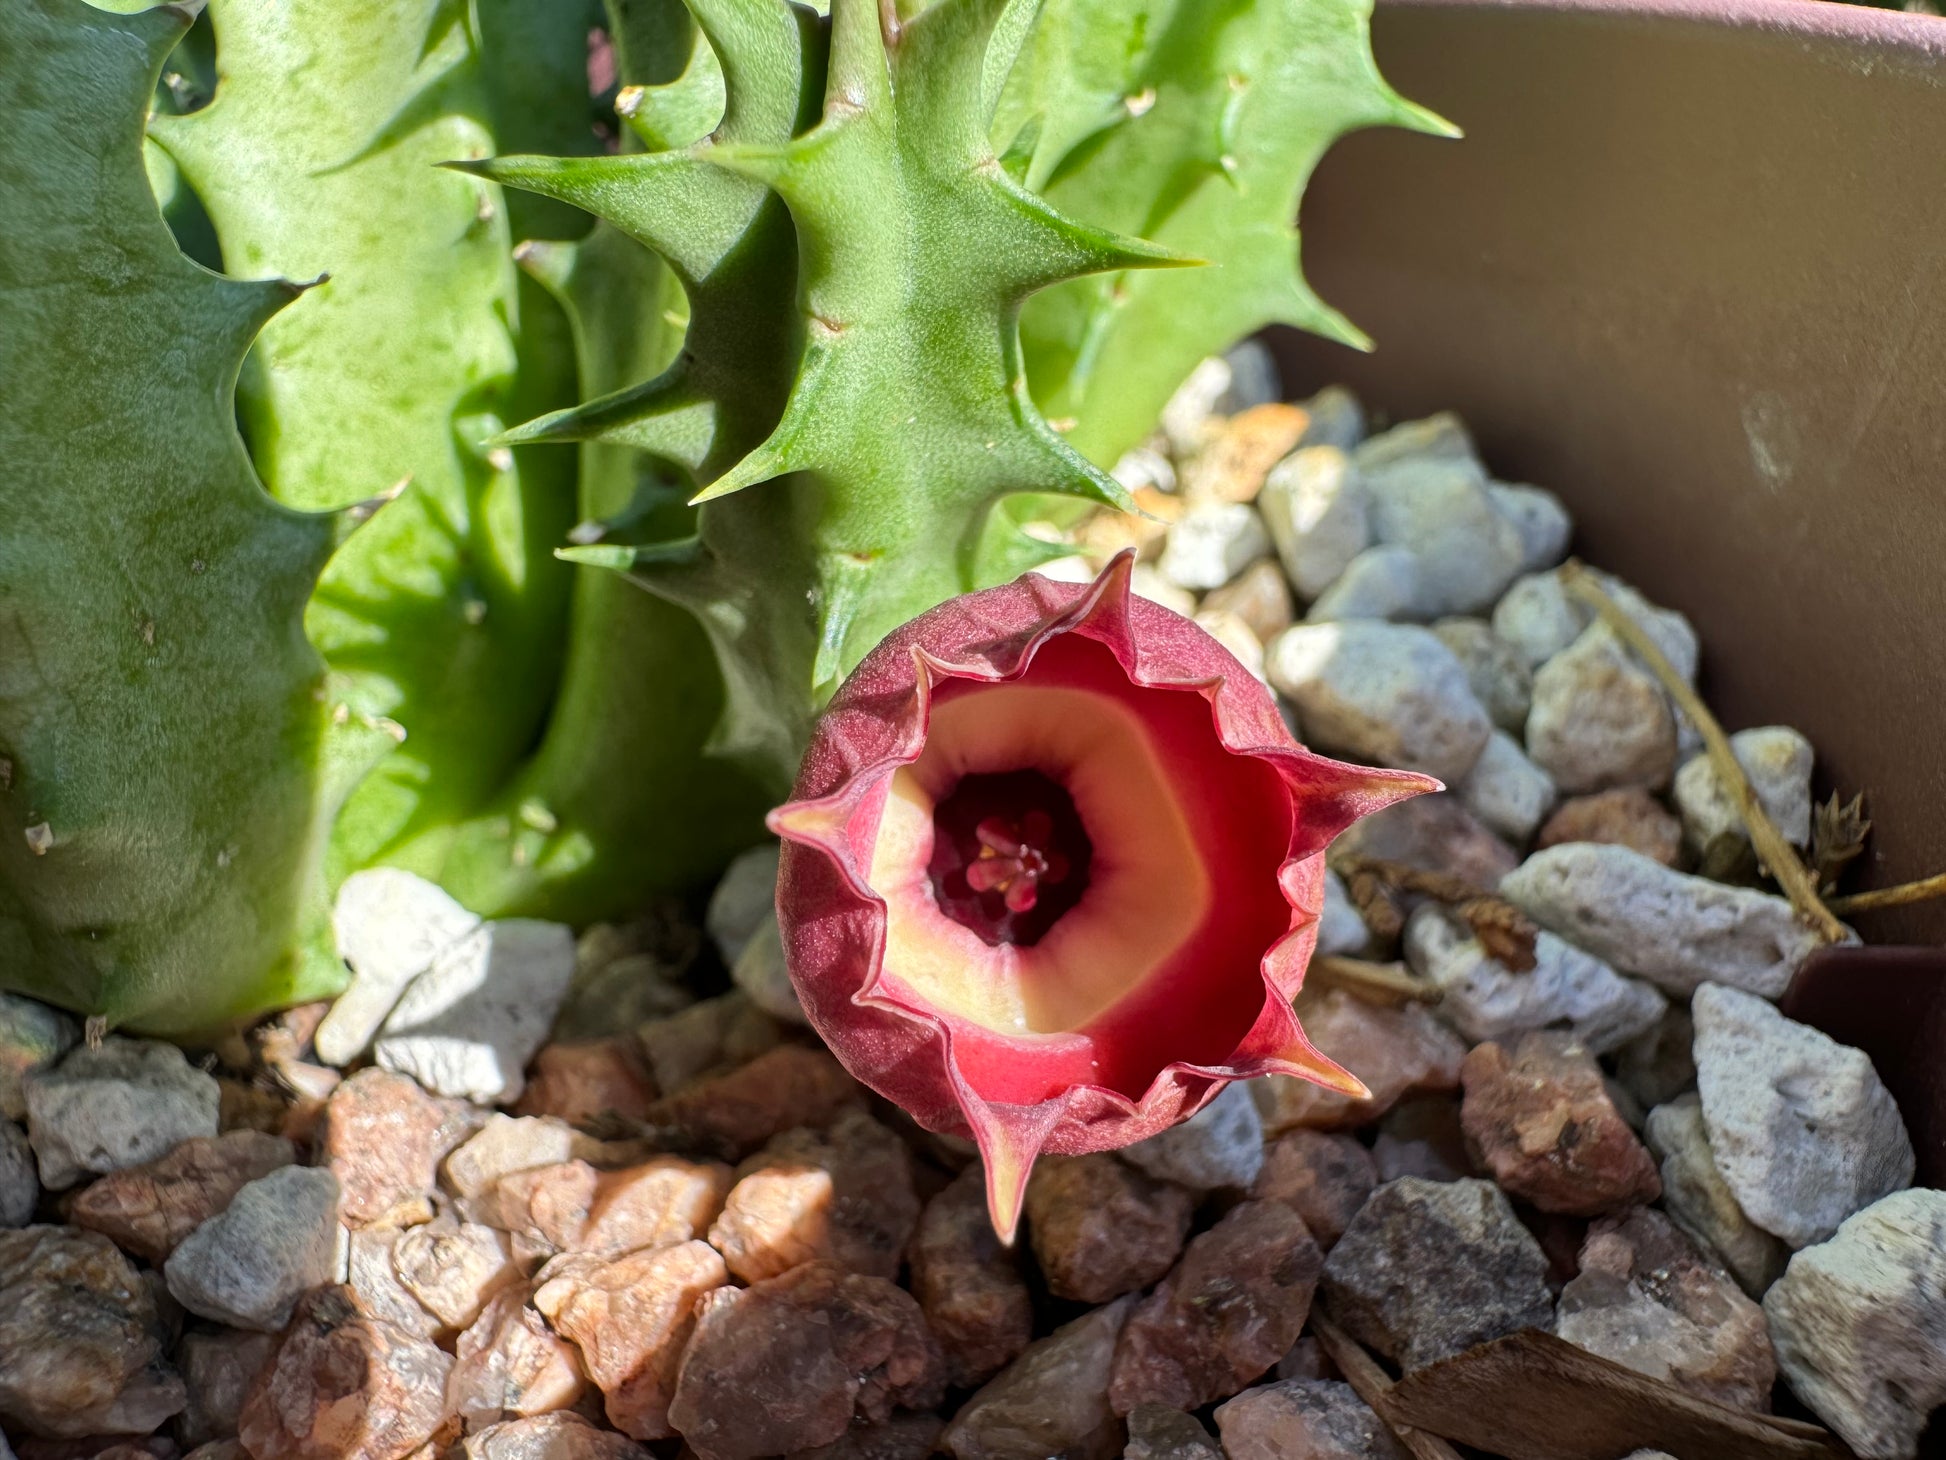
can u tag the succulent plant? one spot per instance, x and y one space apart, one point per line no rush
169 766
1053 870
802 309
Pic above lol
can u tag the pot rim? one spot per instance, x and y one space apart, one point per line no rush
1921 37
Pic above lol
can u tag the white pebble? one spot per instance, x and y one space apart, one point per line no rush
1336 419
1144 467
469 1024
1803 1129
1565 989
1194 402
1859 1324
390 925
1778 761
1537 617
1700 1200
1442 436
1318 515
1506 790
1381 582
1387 693
1494 668
1145 582
1212 543
1675 930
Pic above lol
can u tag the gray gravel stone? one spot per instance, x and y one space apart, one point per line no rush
1221 1145
1658 1065
1675 930
1213 542
760 971
1441 437
1536 616
1388 693
1381 582
1566 988
744 899
1254 378
1438 507
1318 515
1802 1128
1427 1269
249 1265
1340 928
32 1036
1501 681
1860 1324
1337 419
20 1188
1506 790
120 1105
1700 1200
1778 761
1158 1432
1599 720
390 925
469 1024
1540 519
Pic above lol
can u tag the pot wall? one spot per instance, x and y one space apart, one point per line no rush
1688 269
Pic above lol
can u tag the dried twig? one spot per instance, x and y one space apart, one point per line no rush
1924 890
1505 931
1370 1382
1776 852
1384 983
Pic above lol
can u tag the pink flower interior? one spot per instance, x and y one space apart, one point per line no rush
1080 878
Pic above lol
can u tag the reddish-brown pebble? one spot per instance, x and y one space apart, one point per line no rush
705 1038
218 1369
631 1318
1539 1119
1629 817
968 1284
1324 1178
588 1080
1394 1050
383 1137
344 1387
1304 1419
1231 1308
510 1365
1101 1228
790 1363
571 1207
218 1450
738 1111
146 1210
845 1194
245 1106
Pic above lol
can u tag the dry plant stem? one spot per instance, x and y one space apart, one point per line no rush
1924 890
1775 851
1381 983
1504 930
1370 1382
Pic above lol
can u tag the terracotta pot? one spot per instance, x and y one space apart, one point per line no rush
1687 270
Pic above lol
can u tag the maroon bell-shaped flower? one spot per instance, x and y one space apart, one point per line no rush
1053 869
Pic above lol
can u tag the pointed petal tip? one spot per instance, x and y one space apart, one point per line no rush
812 823
1301 1060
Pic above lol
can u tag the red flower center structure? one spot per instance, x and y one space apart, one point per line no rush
1052 872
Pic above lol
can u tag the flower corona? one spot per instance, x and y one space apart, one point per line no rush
1053 869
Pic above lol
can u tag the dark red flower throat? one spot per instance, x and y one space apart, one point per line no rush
1009 855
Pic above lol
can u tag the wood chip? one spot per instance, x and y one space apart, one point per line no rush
1537 1397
